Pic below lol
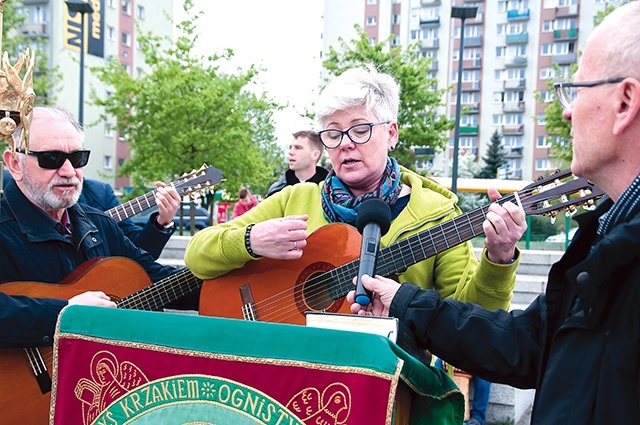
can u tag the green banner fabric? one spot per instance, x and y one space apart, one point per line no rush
136 367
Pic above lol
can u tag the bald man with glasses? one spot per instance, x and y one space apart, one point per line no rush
45 234
578 344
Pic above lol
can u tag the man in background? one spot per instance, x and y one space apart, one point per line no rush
305 150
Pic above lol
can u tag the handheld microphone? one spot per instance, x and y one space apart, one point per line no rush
373 221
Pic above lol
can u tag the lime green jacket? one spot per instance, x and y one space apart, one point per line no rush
454 273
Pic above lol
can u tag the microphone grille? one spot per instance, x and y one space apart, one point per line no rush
374 210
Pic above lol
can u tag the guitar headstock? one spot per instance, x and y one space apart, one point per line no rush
194 183
559 191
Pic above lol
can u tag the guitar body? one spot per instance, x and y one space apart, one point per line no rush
283 290
21 400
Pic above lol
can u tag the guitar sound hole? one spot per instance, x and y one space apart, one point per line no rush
313 289
316 293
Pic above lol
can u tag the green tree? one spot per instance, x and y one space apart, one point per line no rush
495 158
186 112
419 121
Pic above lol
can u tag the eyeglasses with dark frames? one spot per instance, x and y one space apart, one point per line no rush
359 134
52 160
567 92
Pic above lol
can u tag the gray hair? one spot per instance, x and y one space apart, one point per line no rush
357 87
50 110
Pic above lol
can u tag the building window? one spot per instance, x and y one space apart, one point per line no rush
372 20
372 41
111 33
126 39
121 162
396 19
126 7
108 162
372 1
541 142
542 164
108 130
111 4
140 12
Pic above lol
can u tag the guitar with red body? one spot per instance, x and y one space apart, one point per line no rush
283 291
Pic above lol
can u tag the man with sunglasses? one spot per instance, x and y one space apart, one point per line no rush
45 234
577 345
159 228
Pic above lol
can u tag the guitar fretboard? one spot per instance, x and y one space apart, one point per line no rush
407 252
133 207
162 292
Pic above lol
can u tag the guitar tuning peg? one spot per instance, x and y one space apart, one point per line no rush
564 198
571 210
553 215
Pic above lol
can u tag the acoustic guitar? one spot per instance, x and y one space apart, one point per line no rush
25 387
25 382
283 291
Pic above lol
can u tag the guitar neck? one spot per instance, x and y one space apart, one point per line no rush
407 252
161 293
133 207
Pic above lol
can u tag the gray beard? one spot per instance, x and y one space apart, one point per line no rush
44 196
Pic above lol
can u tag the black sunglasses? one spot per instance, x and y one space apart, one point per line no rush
52 160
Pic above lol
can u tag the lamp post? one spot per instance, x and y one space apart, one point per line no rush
462 12
79 6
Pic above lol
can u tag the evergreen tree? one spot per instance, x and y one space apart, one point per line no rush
494 160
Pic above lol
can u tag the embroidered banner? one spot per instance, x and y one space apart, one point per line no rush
134 367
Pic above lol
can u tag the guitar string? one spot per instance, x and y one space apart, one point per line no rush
316 286
150 297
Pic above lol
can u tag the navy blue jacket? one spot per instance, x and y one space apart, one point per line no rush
578 344
31 249
100 195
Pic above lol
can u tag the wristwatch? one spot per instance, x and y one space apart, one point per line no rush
159 226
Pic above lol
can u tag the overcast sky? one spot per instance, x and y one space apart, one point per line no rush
283 36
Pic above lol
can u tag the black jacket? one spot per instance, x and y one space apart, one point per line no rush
289 179
100 196
32 250
578 344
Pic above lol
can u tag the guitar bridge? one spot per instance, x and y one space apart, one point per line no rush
248 304
39 369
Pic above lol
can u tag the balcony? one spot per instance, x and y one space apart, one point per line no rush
515 84
521 38
472 108
567 11
513 129
513 152
518 15
513 106
430 43
433 21
34 29
565 59
473 41
469 130
565 35
516 62
472 63
471 86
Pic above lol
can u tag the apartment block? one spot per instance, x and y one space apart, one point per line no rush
110 32
510 48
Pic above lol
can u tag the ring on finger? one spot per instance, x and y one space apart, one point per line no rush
295 245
